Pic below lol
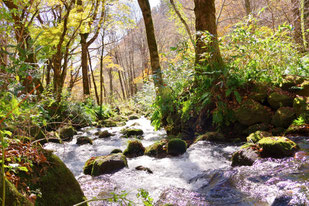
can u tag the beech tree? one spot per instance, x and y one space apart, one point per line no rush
205 21
152 45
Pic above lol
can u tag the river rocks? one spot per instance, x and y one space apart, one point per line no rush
211 136
129 132
283 117
104 134
57 184
277 147
158 149
244 157
176 147
108 123
252 112
66 133
115 151
279 99
258 127
142 168
133 117
134 149
301 104
258 135
105 164
304 91
83 140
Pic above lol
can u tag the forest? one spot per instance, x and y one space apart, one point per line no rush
154 102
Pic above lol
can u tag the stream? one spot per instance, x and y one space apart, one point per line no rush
201 176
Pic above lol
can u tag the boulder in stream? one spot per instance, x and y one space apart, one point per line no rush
277 147
211 136
108 164
115 151
66 133
258 135
133 117
176 147
144 169
129 132
244 157
283 117
157 149
104 134
83 140
134 149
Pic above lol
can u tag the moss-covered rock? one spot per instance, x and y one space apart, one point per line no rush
83 140
277 147
301 104
176 147
290 81
129 132
134 149
304 91
13 197
244 157
108 123
258 127
211 136
257 136
278 99
58 185
66 133
158 149
133 117
283 117
108 164
142 168
252 112
115 151
294 129
104 134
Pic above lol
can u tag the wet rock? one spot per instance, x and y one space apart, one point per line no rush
134 149
108 164
144 169
115 151
176 147
258 135
158 149
252 112
283 117
66 133
244 157
293 129
277 100
133 117
258 127
128 132
211 136
283 200
277 147
83 140
104 134
109 123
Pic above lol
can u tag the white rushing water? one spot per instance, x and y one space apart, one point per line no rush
204 169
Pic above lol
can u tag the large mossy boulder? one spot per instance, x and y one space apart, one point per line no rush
211 136
66 133
158 149
279 99
58 185
108 164
244 157
277 147
283 117
129 132
104 134
301 104
134 149
12 196
257 136
83 140
176 147
252 112
304 91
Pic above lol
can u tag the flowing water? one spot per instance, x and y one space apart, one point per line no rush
201 176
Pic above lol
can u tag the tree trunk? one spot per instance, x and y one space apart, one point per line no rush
110 75
86 88
152 45
93 79
205 21
248 7
48 68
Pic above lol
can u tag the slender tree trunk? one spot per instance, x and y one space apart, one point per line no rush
205 21
248 7
93 80
84 62
48 68
296 21
120 77
152 46
110 85
183 21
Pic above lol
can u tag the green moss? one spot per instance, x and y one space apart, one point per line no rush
176 147
258 135
67 133
134 149
157 149
128 132
277 100
58 185
13 197
277 147
210 136
104 134
132 117
84 140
